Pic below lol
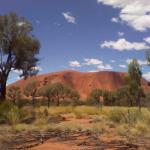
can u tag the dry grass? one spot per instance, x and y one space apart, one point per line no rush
120 120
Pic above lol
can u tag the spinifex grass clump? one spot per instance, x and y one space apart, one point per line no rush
10 113
128 115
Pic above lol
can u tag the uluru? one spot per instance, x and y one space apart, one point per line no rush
83 82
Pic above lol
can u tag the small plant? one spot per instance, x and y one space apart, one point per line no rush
121 130
87 110
115 115
141 127
41 118
10 113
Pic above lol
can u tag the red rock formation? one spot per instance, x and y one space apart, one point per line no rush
83 82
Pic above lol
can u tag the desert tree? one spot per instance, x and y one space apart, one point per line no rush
135 75
94 97
18 48
61 91
46 91
58 91
109 98
74 96
14 93
31 90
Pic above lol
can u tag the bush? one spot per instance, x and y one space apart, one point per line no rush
115 115
92 102
86 110
41 118
10 113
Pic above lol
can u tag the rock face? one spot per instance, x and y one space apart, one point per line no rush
83 82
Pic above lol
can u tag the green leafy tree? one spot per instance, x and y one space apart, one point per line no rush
18 48
14 93
58 91
31 90
46 91
75 97
109 98
134 72
94 97
134 82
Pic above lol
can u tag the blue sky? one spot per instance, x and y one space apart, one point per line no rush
86 35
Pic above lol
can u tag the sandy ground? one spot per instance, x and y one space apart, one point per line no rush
51 145
54 145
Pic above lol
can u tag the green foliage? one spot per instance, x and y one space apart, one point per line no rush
57 91
10 113
91 102
18 43
109 98
18 48
94 97
134 83
128 116
115 115
14 93
31 90
134 71
41 118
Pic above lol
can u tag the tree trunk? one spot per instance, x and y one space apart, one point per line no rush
14 101
48 104
33 101
139 104
57 101
3 91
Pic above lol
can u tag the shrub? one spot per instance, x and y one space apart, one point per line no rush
41 117
121 130
91 102
115 115
86 110
140 129
10 113
60 110
69 127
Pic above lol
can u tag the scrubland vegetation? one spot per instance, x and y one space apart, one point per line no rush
124 121
57 106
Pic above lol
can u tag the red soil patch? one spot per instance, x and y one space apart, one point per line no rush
51 145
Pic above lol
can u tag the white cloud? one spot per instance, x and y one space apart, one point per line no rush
140 62
116 20
17 71
147 76
128 61
104 67
98 64
68 16
122 44
92 61
147 39
121 33
21 23
122 66
93 71
134 12
74 63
